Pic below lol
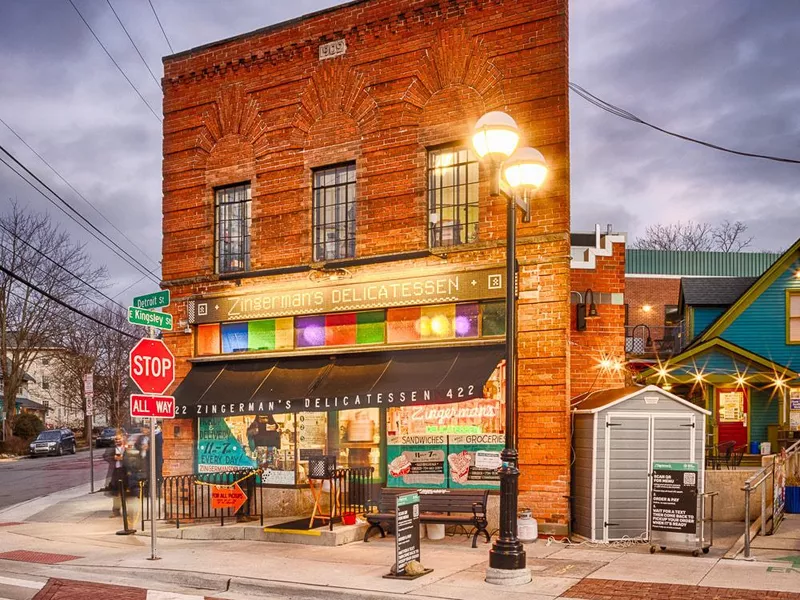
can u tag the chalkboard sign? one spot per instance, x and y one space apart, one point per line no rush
407 530
674 498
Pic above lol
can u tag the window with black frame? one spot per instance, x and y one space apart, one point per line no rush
233 228
452 196
334 212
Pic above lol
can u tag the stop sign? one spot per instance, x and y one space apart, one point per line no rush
152 366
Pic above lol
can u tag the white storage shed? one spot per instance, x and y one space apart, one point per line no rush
617 434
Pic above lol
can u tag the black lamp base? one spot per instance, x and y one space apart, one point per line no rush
507 554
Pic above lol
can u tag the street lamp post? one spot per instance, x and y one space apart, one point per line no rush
524 170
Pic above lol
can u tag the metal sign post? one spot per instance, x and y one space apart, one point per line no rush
153 486
88 389
152 368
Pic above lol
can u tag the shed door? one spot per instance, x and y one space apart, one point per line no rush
673 438
627 475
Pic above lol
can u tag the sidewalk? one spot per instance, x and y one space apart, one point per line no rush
77 524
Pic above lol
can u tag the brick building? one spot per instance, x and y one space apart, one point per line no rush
597 356
328 232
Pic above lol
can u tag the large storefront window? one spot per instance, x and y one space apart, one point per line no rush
448 445
409 438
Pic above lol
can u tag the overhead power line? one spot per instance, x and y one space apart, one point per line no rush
119 251
126 288
160 25
62 267
135 89
60 302
81 196
135 47
71 288
624 114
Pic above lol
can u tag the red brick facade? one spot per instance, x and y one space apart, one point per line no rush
263 108
597 355
653 292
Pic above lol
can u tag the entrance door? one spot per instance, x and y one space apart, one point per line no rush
732 409
627 468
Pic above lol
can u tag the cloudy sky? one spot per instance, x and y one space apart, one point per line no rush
720 70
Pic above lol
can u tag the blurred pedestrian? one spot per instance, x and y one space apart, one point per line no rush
119 474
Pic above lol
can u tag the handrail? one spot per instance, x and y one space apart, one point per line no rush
757 480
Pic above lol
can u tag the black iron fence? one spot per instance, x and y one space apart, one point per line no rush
187 498
642 340
351 489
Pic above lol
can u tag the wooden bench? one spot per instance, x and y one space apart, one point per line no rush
442 507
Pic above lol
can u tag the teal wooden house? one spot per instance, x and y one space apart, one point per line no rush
741 357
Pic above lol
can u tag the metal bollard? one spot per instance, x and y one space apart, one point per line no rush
747 519
126 530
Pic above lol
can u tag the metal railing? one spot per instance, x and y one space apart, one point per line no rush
643 340
187 498
352 489
785 463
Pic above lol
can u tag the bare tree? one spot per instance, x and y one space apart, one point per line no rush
80 352
729 237
691 236
113 385
34 249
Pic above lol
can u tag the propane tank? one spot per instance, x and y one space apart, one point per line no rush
527 528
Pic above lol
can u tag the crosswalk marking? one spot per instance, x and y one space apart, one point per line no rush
156 595
26 583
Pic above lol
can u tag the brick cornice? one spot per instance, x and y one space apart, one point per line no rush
424 14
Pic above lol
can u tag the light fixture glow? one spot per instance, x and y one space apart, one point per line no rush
440 326
526 168
647 308
496 133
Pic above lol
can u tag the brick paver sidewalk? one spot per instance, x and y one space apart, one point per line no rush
65 589
608 589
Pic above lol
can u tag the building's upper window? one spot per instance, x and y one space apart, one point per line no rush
793 317
334 215
452 196
233 228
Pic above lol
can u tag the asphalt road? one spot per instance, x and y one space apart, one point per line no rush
29 478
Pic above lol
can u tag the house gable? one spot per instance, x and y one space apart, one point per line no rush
757 322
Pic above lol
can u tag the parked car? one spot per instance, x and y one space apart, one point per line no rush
53 441
106 437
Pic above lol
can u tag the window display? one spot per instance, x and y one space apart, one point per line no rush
448 445
265 442
359 439
312 439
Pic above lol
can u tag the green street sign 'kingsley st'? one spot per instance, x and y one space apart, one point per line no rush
151 318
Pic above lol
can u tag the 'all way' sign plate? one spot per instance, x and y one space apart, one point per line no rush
160 407
151 318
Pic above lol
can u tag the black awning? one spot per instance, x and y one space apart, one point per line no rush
195 384
298 384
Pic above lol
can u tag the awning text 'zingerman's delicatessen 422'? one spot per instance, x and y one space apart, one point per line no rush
398 398
450 287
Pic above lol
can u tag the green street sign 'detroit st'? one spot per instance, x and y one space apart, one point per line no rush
149 318
150 301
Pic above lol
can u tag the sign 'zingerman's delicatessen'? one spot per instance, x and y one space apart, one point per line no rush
430 289
418 414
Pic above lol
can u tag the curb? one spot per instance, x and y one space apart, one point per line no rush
210 584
